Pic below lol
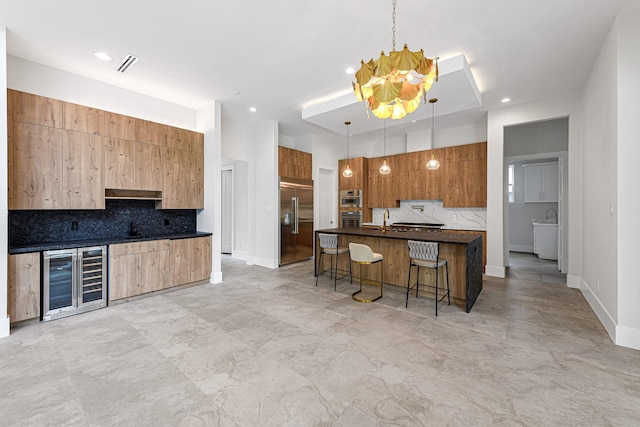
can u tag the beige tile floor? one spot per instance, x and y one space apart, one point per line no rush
268 348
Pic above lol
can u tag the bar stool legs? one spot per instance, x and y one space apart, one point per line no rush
425 254
363 255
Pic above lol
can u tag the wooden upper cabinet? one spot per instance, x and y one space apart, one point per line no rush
37 110
119 164
83 119
465 176
10 181
181 138
183 181
198 144
151 132
120 126
37 167
82 178
360 174
148 167
294 163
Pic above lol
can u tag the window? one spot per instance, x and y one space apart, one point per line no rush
510 184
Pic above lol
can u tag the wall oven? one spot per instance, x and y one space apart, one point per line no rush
350 219
74 281
351 198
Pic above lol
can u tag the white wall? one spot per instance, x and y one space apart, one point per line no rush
4 209
208 121
599 111
264 140
628 206
38 79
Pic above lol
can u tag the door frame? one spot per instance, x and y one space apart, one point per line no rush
333 172
562 157
233 204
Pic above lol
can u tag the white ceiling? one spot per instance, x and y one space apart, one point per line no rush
279 56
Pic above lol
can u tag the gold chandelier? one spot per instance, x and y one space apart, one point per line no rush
392 85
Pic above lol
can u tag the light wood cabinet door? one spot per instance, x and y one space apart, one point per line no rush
180 264
151 132
155 273
183 182
138 268
82 181
124 276
465 176
24 286
148 167
201 258
37 167
191 260
120 126
182 139
10 181
36 110
83 119
119 164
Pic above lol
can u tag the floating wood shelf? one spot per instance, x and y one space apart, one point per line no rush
118 194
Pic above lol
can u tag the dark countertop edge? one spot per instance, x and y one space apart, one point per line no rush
427 236
99 242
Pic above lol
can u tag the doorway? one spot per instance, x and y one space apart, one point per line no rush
227 211
327 204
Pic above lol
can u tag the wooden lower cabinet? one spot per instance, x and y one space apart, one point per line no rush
24 286
191 260
138 268
141 267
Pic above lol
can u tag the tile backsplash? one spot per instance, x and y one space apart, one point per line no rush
432 211
43 226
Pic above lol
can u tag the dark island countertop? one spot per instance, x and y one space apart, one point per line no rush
425 236
47 246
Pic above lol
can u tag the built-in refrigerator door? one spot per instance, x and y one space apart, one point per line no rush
58 282
304 239
92 277
287 225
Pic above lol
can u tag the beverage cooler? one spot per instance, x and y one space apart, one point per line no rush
74 281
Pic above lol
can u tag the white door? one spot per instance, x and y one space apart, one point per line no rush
327 199
227 211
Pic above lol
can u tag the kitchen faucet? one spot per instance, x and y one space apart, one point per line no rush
555 214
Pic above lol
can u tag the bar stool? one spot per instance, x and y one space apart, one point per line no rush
425 254
329 245
363 255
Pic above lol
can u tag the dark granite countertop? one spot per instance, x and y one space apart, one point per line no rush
46 246
426 236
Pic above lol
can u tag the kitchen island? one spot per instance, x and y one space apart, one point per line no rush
463 253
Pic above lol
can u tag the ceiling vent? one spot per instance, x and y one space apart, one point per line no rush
127 62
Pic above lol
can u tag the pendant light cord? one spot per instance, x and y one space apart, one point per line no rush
393 28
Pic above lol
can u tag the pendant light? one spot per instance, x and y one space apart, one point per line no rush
347 173
385 169
433 164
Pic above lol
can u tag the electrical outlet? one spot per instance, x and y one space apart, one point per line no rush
74 225
454 218
166 221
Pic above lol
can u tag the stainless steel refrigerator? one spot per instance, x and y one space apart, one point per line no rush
296 219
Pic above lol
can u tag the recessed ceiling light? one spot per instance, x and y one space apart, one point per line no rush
504 100
253 109
103 56
350 70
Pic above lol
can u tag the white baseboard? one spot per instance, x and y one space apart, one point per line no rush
216 277
521 248
5 327
628 337
266 262
573 281
495 271
243 255
597 307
